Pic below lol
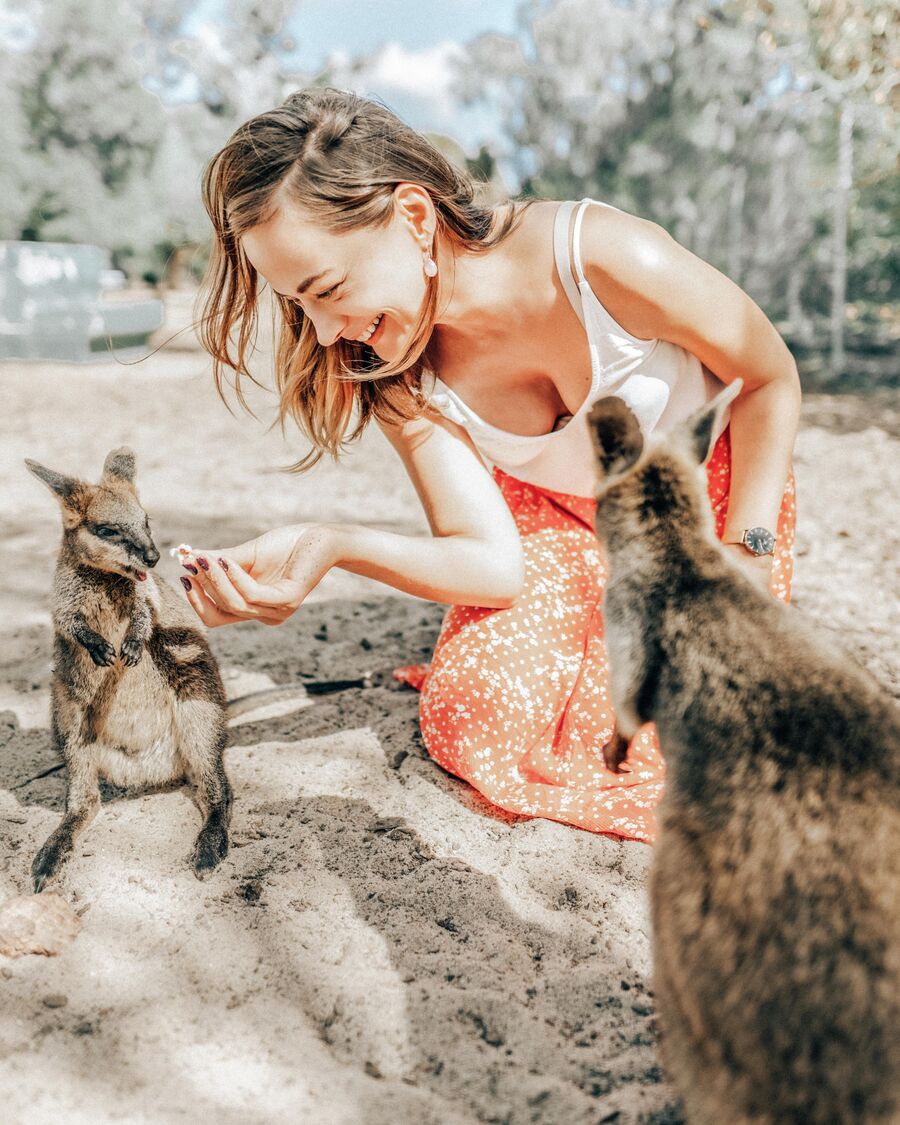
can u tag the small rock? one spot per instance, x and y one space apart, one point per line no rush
42 924
55 1000
569 897
385 824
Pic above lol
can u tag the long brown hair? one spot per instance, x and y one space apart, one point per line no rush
339 156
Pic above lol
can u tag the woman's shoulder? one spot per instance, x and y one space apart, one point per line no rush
622 244
629 263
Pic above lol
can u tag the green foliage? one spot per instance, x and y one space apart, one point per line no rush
99 147
718 120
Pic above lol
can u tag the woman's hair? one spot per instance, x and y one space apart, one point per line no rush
339 156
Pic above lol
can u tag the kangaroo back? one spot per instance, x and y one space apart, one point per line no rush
775 889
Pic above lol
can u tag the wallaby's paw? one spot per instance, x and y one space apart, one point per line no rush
46 864
102 653
615 752
209 850
132 651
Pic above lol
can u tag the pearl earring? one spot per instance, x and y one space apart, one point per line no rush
430 265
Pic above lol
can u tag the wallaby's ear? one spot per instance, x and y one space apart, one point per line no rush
120 464
64 487
695 433
616 434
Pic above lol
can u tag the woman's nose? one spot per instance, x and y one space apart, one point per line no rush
328 327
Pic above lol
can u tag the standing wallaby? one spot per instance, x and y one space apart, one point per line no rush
775 889
136 694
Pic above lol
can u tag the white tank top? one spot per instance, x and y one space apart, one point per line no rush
659 380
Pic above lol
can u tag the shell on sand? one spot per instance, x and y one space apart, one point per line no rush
42 923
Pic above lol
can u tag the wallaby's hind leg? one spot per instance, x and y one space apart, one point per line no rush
615 752
82 804
213 793
201 741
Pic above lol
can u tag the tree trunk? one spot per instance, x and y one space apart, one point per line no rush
839 252
736 224
801 326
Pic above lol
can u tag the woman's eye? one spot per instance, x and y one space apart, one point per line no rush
330 292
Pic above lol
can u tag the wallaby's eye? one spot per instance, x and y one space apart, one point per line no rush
106 532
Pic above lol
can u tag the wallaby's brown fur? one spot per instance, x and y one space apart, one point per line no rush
136 694
775 889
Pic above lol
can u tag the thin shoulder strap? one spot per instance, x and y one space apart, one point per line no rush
576 239
563 259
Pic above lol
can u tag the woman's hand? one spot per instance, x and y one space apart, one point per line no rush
758 568
264 579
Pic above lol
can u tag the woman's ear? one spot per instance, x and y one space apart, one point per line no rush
616 434
414 206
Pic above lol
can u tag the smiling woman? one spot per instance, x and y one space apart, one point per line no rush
313 182
478 339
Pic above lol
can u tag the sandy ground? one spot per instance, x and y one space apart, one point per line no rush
380 946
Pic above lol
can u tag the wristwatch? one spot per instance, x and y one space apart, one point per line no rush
757 540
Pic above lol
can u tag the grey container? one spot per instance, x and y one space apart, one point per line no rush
52 304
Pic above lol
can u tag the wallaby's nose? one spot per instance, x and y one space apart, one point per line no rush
151 556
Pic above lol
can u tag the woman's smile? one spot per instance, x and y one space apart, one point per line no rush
369 332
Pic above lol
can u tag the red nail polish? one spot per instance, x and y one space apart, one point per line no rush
188 566
223 564
186 582
202 563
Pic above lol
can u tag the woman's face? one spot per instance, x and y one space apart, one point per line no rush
343 282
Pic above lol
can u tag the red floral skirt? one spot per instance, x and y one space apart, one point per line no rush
516 701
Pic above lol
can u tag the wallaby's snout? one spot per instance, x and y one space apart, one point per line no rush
151 555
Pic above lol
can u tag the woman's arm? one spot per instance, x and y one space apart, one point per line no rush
474 557
656 289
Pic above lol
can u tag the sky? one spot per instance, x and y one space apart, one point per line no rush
321 26
411 46
413 43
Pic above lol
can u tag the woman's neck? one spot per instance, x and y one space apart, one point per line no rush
483 302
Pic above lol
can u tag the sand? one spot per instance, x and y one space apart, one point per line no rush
380 946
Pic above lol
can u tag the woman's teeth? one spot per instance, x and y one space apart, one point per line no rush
370 330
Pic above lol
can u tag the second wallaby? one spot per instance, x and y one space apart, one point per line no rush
775 888
137 697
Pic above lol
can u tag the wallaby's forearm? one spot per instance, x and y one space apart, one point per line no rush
75 627
139 629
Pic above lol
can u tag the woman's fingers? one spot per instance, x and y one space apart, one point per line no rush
213 579
235 592
253 592
208 612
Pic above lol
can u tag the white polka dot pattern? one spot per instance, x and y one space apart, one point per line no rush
516 701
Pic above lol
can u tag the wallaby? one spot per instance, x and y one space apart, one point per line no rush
136 693
775 888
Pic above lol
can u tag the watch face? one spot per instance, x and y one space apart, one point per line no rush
759 540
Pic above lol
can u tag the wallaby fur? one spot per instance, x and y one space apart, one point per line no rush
775 889
136 693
